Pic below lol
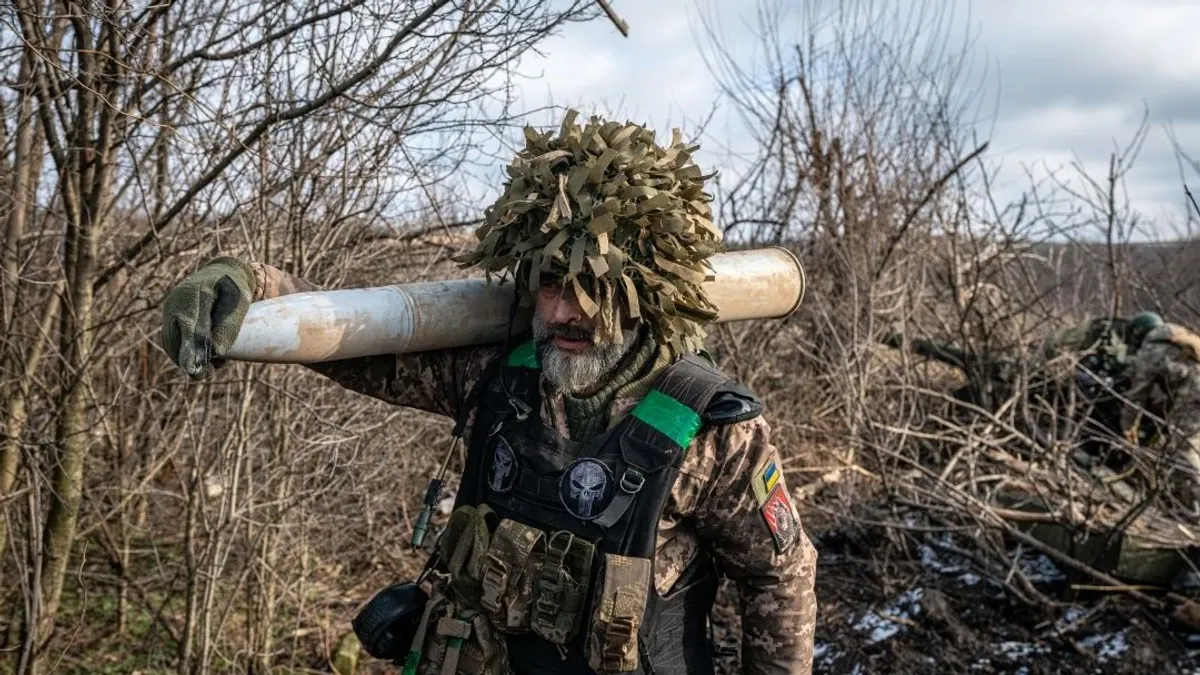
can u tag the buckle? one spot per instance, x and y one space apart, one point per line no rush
495 582
632 480
618 643
549 596
620 627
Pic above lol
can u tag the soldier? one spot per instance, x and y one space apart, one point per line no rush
1105 349
1165 385
1117 336
612 473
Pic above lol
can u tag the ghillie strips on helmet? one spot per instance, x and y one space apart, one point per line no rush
625 222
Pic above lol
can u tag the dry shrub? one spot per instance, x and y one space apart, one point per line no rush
868 168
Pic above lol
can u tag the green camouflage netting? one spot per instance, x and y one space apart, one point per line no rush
624 221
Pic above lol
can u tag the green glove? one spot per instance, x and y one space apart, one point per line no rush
202 315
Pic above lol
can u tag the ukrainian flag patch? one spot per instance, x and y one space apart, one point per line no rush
765 479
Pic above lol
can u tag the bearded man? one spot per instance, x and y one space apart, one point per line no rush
612 472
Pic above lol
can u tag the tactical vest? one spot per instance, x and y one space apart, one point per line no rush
570 577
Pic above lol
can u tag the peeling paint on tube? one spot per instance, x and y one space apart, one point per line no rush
338 324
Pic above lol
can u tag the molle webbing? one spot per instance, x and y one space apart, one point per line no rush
581 519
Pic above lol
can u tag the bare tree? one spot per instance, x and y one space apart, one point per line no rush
294 133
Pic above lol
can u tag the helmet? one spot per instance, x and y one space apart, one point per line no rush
622 220
1140 326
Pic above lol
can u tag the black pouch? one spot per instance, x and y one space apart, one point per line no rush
387 624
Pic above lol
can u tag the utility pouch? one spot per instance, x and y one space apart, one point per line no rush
509 572
560 592
617 616
454 640
387 623
464 547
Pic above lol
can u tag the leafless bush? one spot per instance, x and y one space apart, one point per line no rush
148 522
867 166
232 524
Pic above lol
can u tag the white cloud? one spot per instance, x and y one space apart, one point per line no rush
1072 77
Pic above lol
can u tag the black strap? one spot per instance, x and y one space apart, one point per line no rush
692 381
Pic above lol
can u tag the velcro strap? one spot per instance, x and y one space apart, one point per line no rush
508 584
455 628
436 601
618 614
674 405
630 484
561 591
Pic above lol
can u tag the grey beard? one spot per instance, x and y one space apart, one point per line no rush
575 373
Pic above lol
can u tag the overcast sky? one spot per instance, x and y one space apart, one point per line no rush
1063 79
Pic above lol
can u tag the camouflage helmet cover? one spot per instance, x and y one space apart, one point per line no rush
622 220
1145 322
1141 325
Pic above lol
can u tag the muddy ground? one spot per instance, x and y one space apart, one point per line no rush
931 613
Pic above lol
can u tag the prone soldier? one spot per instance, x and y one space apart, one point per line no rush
612 472
1165 385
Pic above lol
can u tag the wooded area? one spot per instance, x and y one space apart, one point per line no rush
151 524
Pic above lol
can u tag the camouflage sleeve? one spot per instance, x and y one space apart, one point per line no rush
747 516
1081 336
436 381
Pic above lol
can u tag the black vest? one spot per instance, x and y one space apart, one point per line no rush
609 490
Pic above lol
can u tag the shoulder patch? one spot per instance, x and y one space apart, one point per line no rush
765 478
732 404
775 504
782 521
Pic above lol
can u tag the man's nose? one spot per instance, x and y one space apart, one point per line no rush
566 308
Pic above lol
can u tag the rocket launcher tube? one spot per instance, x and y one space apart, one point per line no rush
330 325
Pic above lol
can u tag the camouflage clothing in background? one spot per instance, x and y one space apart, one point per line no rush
1165 382
713 505
1122 336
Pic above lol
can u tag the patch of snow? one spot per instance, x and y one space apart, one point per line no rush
1107 646
1039 569
932 559
1071 617
1016 651
969 579
825 656
882 626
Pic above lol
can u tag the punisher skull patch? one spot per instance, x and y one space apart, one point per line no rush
503 470
586 488
781 519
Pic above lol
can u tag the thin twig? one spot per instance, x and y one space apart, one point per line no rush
612 16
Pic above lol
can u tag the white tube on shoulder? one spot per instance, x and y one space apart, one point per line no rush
339 324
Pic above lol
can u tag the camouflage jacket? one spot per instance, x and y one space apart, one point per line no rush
1087 336
716 503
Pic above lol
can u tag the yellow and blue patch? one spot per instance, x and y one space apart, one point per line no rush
775 504
765 479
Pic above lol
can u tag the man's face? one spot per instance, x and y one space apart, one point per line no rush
575 350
